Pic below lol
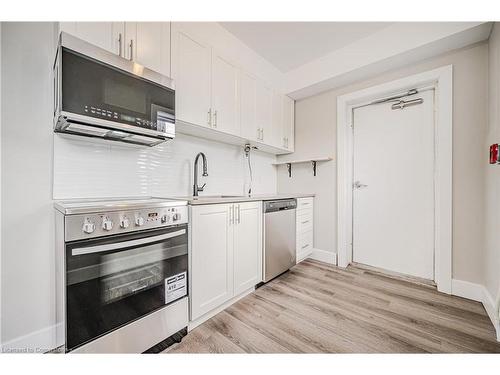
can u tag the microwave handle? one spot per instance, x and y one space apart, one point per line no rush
119 245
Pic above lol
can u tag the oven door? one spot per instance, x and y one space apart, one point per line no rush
114 280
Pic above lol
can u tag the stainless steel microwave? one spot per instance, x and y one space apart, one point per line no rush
99 94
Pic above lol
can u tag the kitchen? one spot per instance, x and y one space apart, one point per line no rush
186 186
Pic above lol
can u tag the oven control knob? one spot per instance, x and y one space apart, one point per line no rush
88 226
177 216
107 224
165 219
124 222
139 221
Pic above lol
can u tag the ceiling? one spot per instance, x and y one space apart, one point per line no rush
288 45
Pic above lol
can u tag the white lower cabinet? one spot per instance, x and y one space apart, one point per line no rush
247 246
304 228
226 253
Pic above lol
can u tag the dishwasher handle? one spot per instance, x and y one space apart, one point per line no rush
280 205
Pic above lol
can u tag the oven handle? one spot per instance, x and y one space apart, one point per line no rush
118 245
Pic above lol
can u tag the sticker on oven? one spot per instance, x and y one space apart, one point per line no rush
175 287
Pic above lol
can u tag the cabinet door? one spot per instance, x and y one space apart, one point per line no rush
264 112
288 122
248 107
277 138
106 35
130 41
247 246
153 46
211 272
191 72
225 95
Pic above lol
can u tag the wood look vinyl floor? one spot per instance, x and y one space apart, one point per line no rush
318 308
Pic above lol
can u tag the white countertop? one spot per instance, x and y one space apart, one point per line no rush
215 199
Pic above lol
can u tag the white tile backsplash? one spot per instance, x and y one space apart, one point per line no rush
92 168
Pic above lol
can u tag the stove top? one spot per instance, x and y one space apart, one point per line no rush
84 206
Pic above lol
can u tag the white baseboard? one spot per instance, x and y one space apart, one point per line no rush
324 256
479 293
40 341
195 323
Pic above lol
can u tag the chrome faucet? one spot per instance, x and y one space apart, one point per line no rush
197 188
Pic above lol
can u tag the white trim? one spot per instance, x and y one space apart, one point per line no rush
40 341
441 79
479 293
202 319
467 290
324 256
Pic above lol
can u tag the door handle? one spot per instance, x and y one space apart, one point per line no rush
358 185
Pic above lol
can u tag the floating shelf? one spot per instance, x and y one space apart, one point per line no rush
312 161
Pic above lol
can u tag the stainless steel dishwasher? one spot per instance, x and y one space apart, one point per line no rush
279 237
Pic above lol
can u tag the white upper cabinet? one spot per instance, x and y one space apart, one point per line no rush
248 107
277 120
288 123
152 47
191 72
225 106
102 34
130 40
147 43
264 113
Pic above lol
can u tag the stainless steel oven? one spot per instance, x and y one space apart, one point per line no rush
122 268
99 94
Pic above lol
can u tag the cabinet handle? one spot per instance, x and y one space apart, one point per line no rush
209 117
231 214
305 222
258 134
239 217
262 134
120 44
131 49
307 245
215 119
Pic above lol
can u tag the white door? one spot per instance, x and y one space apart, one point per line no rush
192 80
225 95
153 46
247 246
248 107
211 273
393 215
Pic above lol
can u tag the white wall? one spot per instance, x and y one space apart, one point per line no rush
28 302
85 168
492 186
316 116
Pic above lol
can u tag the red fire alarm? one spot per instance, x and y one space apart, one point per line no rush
494 155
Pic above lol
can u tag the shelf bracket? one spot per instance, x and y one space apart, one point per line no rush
289 168
314 167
